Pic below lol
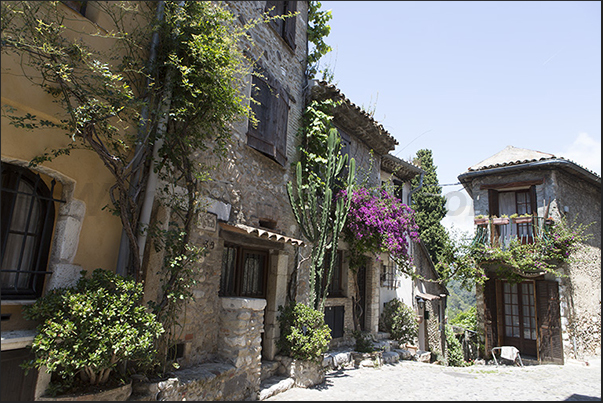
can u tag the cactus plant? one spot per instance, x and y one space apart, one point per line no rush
320 221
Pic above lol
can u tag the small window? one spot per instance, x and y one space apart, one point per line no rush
27 223
334 318
284 27
335 289
271 109
243 272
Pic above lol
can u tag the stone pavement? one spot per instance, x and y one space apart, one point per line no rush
412 380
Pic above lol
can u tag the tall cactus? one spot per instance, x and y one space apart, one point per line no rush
320 222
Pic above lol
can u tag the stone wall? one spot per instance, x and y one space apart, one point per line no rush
581 307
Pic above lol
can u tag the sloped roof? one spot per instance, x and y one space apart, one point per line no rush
400 168
511 156
354 120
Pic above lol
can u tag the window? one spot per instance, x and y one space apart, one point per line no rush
514 202
284 27
271 109
335 287
388 276
334 318
520 313
79 6
27 223
243 272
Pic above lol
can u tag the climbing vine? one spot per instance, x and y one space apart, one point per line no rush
142 110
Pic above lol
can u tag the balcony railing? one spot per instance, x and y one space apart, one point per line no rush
498 232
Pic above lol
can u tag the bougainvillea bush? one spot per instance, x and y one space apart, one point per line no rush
379 222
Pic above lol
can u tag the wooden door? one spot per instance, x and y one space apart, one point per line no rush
519 317
14 384
550 348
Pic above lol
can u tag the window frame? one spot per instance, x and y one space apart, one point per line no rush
231 278
335 289
39 196
285 27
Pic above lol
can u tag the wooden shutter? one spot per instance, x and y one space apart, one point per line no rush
550 348
272 112
493 201
290 23
490 315
533 204
274 8
261 137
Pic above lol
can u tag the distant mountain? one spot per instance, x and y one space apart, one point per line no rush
460 299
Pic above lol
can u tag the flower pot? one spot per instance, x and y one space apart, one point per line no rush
480 221
119 393
500 221
522 220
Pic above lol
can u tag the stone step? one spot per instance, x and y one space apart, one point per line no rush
269 369
390 357
274 385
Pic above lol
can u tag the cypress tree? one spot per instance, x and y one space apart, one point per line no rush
430 206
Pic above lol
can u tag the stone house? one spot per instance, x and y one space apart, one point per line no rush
547 318
364 293
249 229
427 298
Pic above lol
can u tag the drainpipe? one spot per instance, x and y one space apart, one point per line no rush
147 206
413 191
124 246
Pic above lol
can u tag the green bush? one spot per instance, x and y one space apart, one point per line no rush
399 320
454 349
364 341
466 320
304 333
91 329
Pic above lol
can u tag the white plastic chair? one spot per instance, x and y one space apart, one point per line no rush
508 352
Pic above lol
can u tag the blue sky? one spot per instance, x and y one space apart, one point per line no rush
468 78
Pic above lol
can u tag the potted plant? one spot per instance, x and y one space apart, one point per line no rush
305 337
502 220
90 331
481 220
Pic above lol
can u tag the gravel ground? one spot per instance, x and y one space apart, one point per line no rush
411 380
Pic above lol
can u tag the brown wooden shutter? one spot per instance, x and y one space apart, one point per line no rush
290 24
533 204
275 8
490 315
261 137
550 348
493 201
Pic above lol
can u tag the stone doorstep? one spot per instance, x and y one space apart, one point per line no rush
274 386
269 369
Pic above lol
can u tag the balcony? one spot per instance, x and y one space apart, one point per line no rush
499 231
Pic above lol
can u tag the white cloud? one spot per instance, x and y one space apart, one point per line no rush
460 212
584 151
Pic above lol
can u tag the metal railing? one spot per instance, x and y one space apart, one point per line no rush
500 232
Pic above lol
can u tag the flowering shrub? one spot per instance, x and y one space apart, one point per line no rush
380 224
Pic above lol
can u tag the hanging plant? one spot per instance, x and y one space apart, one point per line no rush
378 222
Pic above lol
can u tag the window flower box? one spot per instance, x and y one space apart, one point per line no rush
480 220
500 220
522 220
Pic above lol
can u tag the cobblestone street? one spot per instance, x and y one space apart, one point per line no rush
411 380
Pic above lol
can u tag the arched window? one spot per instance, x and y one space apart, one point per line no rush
27 225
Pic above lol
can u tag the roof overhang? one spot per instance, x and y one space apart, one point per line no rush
261 233
399 168
562 164
353 119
